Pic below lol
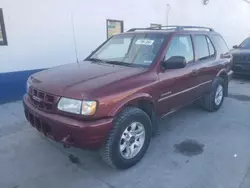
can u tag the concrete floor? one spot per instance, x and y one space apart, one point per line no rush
28 160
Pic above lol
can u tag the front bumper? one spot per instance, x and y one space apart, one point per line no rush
69 131
243 69
230 75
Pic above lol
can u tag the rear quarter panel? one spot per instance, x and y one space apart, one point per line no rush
223 58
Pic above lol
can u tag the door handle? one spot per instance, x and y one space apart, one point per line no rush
195 72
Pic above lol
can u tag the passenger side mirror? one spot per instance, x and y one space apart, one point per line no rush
235 46
175 62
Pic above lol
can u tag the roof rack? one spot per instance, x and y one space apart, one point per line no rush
172 27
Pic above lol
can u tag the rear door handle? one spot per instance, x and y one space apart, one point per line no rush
195 72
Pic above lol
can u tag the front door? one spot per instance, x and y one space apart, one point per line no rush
176 85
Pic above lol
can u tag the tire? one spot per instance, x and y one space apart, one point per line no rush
208 101
111 154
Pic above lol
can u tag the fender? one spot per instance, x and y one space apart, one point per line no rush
223 71
130 100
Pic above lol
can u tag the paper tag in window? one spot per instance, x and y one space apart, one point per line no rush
144 42
147 62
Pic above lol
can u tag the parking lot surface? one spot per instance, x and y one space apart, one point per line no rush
194 149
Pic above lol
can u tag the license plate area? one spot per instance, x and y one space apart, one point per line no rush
36 122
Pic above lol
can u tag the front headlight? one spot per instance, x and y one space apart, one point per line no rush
88 107
77 106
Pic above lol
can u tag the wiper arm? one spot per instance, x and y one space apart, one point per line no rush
115 62
121 63
96 60
109 62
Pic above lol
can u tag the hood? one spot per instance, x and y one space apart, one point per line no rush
80 80
240 51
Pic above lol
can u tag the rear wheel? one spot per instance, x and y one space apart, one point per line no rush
213 100
128 140
219 94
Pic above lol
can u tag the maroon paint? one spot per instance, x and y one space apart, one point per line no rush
114 87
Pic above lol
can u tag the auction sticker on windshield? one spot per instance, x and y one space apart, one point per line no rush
144 42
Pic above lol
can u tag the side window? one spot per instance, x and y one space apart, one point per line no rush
201 46
221 44
211 48
181 46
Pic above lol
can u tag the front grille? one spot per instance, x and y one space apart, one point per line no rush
42 100
241 68
242 58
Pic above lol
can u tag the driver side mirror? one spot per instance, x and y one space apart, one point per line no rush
175 62
235 46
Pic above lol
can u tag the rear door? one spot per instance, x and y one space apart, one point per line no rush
205 63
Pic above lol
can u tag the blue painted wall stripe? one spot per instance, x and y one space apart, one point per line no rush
13 85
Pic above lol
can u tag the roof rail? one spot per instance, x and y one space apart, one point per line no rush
195 27
172 27
140 29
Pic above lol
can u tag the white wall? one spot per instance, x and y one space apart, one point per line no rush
228 17
40 33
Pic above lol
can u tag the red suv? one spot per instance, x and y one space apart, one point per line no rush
111 101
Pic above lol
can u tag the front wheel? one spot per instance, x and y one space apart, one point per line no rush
128 140
213 100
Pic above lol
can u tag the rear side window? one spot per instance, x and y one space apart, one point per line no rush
210 47
181 46
201 46
220 44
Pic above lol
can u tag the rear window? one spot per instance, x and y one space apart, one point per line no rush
201 46
220 44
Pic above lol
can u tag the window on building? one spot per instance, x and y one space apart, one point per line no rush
201 46
3 38
114 27
181 46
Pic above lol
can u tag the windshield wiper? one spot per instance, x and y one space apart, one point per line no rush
115 62
96 60
122 63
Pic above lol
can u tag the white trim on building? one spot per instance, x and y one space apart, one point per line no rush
40 32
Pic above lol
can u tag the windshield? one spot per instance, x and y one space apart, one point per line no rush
131 49
245 44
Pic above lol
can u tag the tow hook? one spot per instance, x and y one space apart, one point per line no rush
67 141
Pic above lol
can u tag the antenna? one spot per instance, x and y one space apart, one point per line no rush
74 37
168 10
